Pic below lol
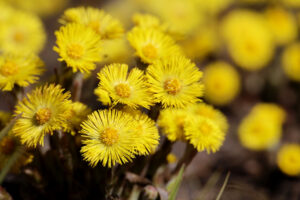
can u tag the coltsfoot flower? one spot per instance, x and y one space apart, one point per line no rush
42 112
123 87
19 69
175 82
78 46
108 138
288 159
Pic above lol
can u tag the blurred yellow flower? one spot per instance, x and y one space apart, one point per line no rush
172 123
44 8
171 158
221 82
19 69
290 61
78 46
282 24
151 44
291 3
22 32
175 81
146 21
248 39
288 159
207 111
42 112
108 138
102 23
103 96
204 134
262 127
123 87
213 7
78 112
146 133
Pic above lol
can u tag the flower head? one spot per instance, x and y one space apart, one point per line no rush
108 138
19 69
78 46
204 134
221 82
102 23
290 61
288 159
123 87
151 44
22 32
175 81
42 112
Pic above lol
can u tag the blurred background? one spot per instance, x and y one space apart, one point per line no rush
249 51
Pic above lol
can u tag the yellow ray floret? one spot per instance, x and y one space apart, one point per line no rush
288 159
42 112
22 32
146 134
78 46
123 87
102 23
175 82
19 69
151 44
204 134
108 138
290 61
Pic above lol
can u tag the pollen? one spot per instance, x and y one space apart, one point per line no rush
205 128
172 86
122 90
18 36
109 136
7 145
75 51
149 51
43 115
9 68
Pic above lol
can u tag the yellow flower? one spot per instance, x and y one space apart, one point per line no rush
108 138
5 117
248 38
78 46
103 96
172 122
44 8
10 145
152 44
282 24
171 158
123 87
291 3
288 159
175 81
204 134
78 112
148 21
221 83
19 69
262 127
146 133
22 32
102 23
6 12
213 7
207 111
290 61
42 112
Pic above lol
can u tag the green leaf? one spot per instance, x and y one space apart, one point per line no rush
174 184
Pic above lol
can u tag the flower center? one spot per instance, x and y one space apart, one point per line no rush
7 145
172 86
75 51
18 36
109 136
122 90
205 128
9 68
149 51
43 115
